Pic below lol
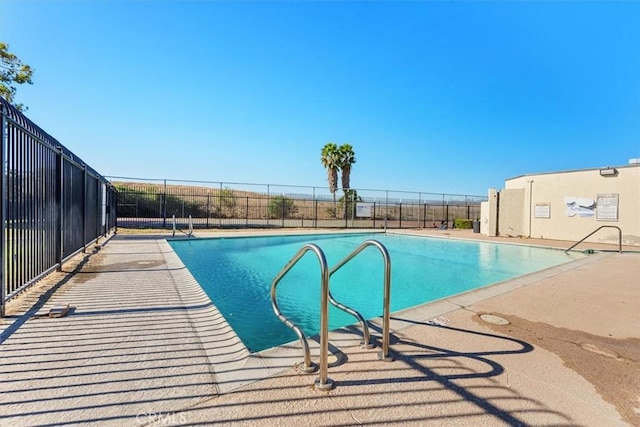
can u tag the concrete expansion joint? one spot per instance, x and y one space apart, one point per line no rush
179 411
338 403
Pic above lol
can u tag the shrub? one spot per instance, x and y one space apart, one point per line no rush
281 207
463 223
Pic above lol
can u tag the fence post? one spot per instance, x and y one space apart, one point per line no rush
60 211
345 208
400 216
315 208
374 214
84 209
164 205
246 224
3 208
419 204
315 212
386 210
220 207
112 202
101 202
113 209
208 207
352 208
282 209
268 200
424 223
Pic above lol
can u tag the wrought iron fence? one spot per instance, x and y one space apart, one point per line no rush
53 205
145 203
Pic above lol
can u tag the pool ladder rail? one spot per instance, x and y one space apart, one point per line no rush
175 227
323 382
594 232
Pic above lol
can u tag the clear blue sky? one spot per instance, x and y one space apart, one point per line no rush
443 97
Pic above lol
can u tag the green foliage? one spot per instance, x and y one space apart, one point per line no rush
12 72
463 223
150 202
347 159
227 202
348 202
330 158
336 159
281 207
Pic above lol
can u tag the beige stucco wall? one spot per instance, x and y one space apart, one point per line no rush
584 185
489 221
511 222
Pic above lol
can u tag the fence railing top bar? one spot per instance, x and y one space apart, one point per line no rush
378 190
218 183
18 119
133 181
321 192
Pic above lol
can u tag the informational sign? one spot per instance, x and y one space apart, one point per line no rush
607 207
542 210
363 210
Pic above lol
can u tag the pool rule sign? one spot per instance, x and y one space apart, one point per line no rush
607 207
363 210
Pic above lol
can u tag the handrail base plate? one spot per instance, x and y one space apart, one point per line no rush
387 358
328 385
307 369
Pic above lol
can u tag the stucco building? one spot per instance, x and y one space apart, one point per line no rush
568 205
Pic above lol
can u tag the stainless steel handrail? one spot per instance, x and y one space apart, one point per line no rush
173 221
323 382
593 232
384 354
366 340
190 226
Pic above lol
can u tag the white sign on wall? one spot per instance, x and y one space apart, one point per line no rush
363 210
542 210
579 206
607 207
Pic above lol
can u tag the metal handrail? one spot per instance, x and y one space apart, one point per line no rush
593 232
189 225
366 340
323 382
384 354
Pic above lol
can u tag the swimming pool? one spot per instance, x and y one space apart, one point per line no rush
237 272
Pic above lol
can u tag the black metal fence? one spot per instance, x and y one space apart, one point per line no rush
53 205
154 204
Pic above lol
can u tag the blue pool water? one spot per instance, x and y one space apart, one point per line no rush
237 274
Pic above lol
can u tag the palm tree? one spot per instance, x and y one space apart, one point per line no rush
330 158
347 159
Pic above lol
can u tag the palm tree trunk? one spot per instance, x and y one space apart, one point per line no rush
335 206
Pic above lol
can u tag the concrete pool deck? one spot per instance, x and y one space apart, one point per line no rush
143 345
